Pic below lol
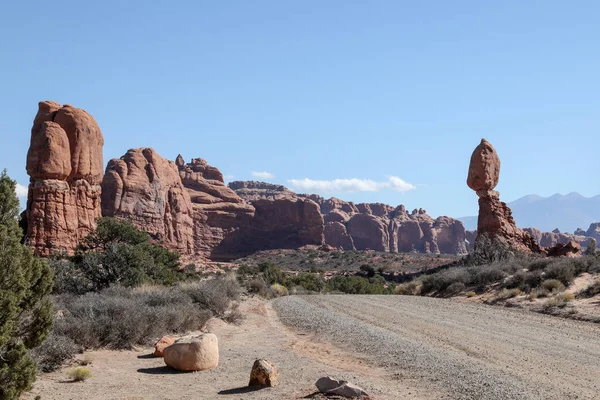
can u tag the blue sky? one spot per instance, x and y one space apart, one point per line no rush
384 96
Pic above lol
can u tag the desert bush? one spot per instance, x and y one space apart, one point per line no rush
471 294
79 374
214 295
561 270
455 288
356 285
411 288
486 274
68 278
25 307
308 281
279 290
439 281
558 301
54 352
592 290
271 273
538 264
552 285
120 317
590 250
506 294
488 250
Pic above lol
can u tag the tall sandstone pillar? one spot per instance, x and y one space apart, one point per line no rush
65 166
495 217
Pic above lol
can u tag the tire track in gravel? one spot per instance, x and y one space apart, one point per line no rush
473 351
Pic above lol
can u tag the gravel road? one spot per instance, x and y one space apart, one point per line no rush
464 350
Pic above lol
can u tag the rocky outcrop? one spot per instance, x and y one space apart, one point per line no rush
65 166
570 249
495 217
594 231
252 190
218 212
337 236
146 189
368 232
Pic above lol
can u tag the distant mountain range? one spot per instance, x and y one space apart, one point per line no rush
566 213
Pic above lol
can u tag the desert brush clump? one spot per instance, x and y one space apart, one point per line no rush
25 307
79 374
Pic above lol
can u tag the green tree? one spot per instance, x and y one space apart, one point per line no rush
116 252
25 308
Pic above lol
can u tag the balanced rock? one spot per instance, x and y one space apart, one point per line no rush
264 374
495 217
162 344
199 353
146 189
65 166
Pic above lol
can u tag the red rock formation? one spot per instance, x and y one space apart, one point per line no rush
65 165
570 249
337 236
218 212
146 189
368 232
495 217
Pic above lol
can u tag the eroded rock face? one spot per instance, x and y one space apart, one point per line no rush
145 188
65 166
337 236
252 190
495 217
218 212
368 232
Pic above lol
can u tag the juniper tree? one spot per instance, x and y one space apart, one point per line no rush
25 307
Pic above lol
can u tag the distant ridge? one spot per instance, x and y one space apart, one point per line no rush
565 212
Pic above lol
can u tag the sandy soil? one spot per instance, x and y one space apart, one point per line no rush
301 359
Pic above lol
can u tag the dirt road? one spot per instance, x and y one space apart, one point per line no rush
457 350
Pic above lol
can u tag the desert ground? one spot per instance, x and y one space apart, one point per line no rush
395 347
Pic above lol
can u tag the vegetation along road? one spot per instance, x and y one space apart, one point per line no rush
457 350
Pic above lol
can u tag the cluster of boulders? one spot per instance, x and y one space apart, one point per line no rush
201 353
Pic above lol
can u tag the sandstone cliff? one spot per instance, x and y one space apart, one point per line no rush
373 226
146 189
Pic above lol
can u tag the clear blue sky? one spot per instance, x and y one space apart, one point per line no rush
322 89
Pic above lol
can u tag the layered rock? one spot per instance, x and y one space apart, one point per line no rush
252 190
495 217
218 212
65 166
146 189
374 226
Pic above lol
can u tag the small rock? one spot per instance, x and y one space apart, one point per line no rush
264 374
199 353
331 386
162 344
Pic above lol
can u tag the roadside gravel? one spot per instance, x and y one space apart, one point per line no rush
467 351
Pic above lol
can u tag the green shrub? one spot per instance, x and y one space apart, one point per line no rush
356 285
279 290
271 273
470 294
308 281
25 308
79 374
214 295
118 253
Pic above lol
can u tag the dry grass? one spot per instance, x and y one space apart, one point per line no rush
79 374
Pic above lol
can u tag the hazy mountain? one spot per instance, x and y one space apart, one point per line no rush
566 213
